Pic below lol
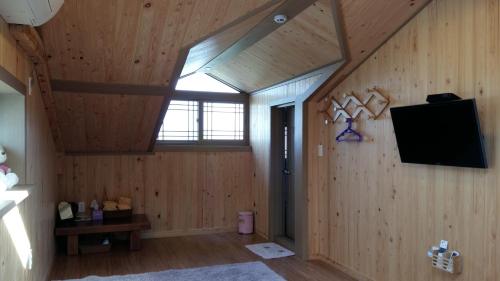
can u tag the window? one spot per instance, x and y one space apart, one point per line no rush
201 82
204 122
180 122
223 121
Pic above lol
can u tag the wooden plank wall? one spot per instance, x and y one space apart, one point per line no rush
38 210
260 140
181 192
373 215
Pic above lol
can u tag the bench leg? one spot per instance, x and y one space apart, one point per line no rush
72 245
135 240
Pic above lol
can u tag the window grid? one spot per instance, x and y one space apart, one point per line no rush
180 122
223 121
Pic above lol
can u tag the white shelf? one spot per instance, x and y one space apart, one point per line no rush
13 197
6 206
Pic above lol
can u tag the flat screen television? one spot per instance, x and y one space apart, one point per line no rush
443 133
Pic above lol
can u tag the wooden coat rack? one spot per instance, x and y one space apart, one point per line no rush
340 109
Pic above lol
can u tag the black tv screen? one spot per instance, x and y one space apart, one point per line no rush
444 133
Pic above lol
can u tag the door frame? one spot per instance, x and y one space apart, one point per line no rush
301 241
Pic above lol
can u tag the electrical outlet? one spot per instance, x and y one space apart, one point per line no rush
320 150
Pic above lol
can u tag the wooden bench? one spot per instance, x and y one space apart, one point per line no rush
71 229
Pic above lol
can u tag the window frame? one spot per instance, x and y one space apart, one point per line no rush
182 141
201 98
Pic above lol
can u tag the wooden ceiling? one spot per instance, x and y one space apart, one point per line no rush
127 42
139 42
204 52
303 44
104 122
367 24
131 41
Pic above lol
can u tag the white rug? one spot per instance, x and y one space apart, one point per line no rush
270 250
251 271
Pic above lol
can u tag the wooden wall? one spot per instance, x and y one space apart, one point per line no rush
373 215
260 140
38 210
180 192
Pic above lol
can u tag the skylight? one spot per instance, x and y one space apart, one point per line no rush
201 82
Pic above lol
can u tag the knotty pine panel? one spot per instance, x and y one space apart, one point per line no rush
38 210
180 192
373 215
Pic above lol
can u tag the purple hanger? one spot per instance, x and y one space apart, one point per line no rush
344 135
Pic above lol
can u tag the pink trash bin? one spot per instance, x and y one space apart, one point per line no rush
245 223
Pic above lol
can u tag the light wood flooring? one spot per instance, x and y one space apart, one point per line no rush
187 252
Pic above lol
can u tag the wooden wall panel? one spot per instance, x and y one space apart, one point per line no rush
181 192
38 210
260 140
376 216
104 122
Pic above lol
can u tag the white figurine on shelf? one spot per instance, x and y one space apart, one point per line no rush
7 178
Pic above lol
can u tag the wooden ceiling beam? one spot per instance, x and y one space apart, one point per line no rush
183 54
69 86
261 30
27 37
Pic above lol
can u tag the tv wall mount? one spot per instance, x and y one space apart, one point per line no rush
443 97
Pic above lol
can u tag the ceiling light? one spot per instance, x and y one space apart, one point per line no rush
280 19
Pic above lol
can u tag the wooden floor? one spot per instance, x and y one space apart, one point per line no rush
187 252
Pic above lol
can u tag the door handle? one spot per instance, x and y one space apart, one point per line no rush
286 172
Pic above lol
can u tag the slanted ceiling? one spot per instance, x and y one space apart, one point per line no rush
305 43
204 52
124 42
142 43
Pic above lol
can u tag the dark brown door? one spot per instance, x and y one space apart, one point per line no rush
287 190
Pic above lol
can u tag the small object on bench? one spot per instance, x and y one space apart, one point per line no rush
134 225
109 206
118 209
97 215
118 214
125 203
65 211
